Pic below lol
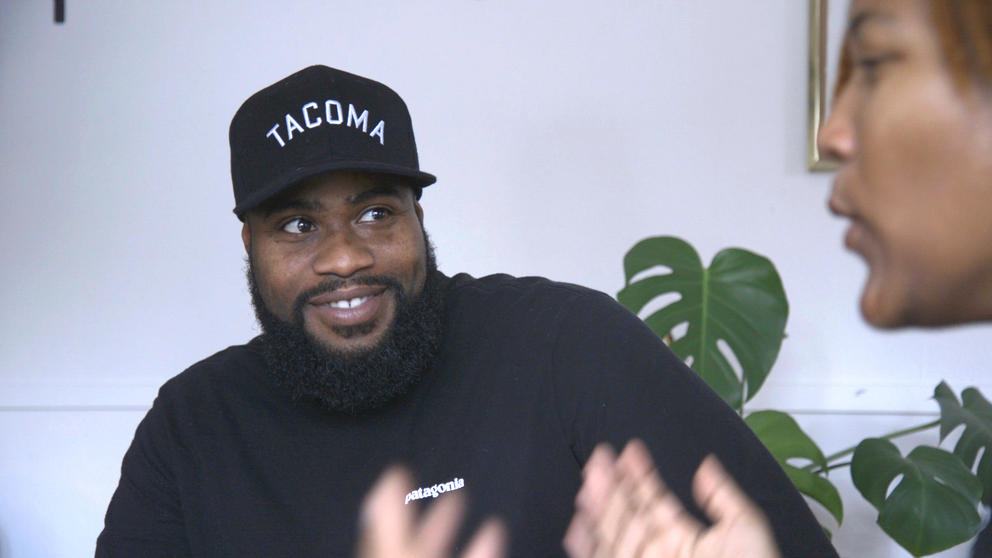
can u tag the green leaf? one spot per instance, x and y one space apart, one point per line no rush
933 506
976 416
785 440
738 299
818 488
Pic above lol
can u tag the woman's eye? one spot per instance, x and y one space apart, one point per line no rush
374 214
298 226
871 65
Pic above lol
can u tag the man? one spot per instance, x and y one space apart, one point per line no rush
499 387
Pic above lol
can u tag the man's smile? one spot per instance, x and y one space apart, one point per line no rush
348 306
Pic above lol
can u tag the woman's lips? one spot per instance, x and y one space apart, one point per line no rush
349 306
852 235
838 206
856 238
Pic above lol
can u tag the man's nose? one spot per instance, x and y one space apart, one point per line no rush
342 253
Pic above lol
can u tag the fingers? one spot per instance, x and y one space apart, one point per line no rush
737 521
718 494
660 526
580 539
488 542
635 460
637 533
614 518
598 480
384 522
649 494
590 502
390 528
437 529
625 510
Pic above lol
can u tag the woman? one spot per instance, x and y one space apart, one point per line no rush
911 127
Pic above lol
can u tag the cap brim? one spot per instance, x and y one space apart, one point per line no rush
416 177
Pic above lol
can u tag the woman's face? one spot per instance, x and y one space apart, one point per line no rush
916 174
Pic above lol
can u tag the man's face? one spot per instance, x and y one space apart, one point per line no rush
332 252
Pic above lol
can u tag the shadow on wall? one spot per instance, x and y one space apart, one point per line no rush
4 545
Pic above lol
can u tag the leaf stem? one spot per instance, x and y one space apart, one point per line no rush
838 465
818 471
813 467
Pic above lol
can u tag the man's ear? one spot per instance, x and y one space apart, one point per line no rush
420 212
246 236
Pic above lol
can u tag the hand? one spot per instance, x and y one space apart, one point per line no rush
391 529
625 510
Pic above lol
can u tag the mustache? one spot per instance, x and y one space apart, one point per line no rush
331 285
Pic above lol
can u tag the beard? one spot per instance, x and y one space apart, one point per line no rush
354 381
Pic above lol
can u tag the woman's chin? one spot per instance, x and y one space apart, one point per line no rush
888 306
881 307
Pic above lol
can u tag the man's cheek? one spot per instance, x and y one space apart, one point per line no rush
285 308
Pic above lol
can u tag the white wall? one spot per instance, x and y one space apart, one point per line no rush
561 133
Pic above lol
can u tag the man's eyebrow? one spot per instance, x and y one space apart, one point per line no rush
375 192
296 204
863 17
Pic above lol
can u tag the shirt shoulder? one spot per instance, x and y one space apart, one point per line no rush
241 365
503 288
541 315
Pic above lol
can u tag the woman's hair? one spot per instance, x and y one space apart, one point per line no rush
964 30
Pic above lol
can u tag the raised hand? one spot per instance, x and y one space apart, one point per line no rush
624 510
391 529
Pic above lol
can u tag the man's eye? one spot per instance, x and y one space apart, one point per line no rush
374 214
298 226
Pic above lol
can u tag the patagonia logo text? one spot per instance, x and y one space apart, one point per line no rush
435 491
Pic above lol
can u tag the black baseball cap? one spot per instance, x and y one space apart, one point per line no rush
317 120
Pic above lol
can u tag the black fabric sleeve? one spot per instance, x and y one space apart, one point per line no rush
145 514
983 543
615 380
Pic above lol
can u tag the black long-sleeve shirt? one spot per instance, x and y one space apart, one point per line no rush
531 375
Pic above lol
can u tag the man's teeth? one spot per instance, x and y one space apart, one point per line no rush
349 303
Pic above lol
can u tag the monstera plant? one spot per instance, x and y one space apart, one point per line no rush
727 321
